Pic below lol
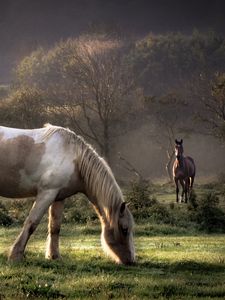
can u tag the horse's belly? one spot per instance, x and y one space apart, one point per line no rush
11 187
17 193
178 174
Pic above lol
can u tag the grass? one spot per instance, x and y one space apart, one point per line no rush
173 262
165 193
176 265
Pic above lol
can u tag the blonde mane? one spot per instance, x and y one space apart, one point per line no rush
100 179
95 172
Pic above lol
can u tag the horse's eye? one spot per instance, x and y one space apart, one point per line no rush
125 231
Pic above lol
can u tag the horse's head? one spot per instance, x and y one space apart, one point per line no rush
117 238
178 148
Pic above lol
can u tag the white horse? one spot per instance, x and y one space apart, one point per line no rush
53 163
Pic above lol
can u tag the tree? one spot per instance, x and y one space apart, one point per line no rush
174 65
168 62
105 89
85 84
169 113
4 90
24 108
213 114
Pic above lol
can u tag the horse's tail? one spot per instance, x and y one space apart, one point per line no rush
191 167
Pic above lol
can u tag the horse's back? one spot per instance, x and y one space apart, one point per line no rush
27 157
12 133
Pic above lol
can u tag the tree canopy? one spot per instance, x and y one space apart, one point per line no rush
102 87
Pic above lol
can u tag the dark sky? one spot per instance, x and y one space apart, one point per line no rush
26 24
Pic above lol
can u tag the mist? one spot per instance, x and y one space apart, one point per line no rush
150 159
26 26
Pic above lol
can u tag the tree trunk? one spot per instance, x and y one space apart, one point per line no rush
169 166
106 151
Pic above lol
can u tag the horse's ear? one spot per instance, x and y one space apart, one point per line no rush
181 141
176 141
122 208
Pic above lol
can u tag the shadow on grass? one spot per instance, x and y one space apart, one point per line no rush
184 266
95 276
88 263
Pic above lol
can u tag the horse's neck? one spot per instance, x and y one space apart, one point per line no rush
106 210
100 184
181 162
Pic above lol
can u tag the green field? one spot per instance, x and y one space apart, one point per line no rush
169 266
175 260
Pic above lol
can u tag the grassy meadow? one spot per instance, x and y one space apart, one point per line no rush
172 263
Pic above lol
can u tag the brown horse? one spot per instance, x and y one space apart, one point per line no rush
51 164
183 171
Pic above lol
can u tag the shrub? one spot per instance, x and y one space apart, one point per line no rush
138 195
79 210
160 214
5 219
144 205
19 209
222 192
208 215
193 202
221 178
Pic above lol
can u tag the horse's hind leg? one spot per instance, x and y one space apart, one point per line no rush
43 201
187 189
54 223
192 179
177 190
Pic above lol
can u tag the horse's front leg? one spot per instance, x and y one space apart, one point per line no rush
182 182
54 223
41 204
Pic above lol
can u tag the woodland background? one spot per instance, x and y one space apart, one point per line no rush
130 98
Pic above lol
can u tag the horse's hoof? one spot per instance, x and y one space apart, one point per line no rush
53 256
15 258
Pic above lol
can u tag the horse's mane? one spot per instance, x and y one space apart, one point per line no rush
95 172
